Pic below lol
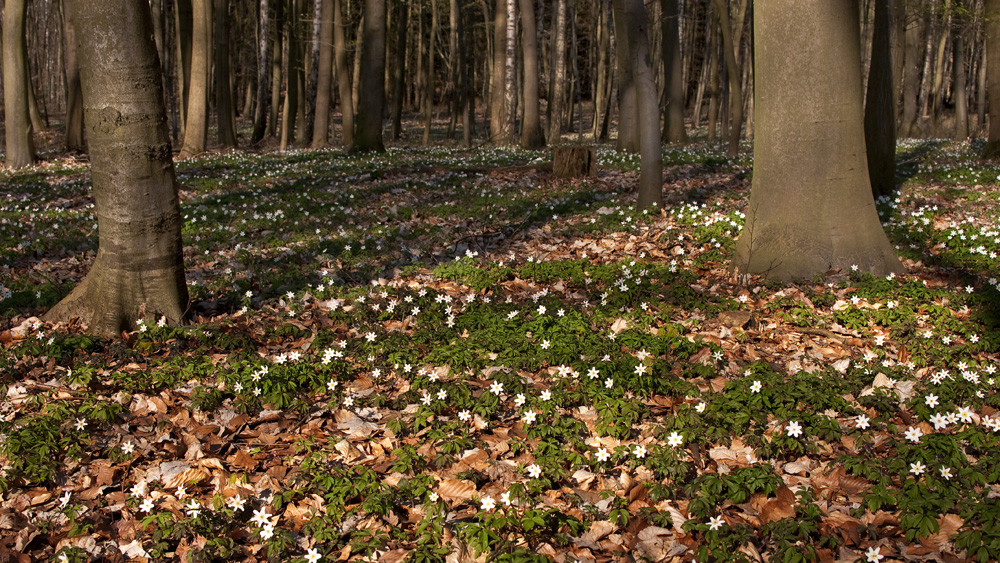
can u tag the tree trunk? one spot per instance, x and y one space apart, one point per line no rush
532 136
602 92
399 68
959 93
263 74
196 122
673 112
811 207
183 23
19 143
311 78
912 63
731 46
632 14
628 126
368 134
224 109
429 75
992 148
139 270
880 107
558 89
278 46
289 111
74 100
324 77
344 87
510 73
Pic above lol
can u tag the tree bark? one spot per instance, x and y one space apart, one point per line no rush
224 109
602 91
673 112
399 68
263 74
628 126
500 131
311 78
811 207
632 14
912 64
196 122
324 77
880 107
20 145
368 133
139 271
289 111
731 46
959 92
557 100
343 78
992 148
74 96
182 28
429 75
532 136
278 46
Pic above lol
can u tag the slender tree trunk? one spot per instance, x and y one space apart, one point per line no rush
959 92
937 88
556 109
19 142
224 108
714 90
277 43
429 75
673 112
183 29
632 15
811 207
912 64
992 148
324 76
510 73
289 112
880 107
399 69
139 270
74 96
500 131
601 89
368 133
196 122
628 124
981 93
731 45
263 75
344 87
311 78
532 136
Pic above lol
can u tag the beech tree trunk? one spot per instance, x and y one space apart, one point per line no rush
880 107
196 122
289 111
429 75
731 45
183 38
324 77
558 89
959 92
501 132
913 60
311 78
811 206
74 96
633 15
19 143
399 68
263 74
139 271
673 111
224 109
628 126
992 148
532 136
368 133
343 78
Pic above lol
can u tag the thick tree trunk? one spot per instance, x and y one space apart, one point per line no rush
811 207
880 108
263 74
558 89
992 148
139 271
532 136
343 78
182 34
368 133
74 96
324 77
500 131
632 13
224 110
673 112
19 143
196 122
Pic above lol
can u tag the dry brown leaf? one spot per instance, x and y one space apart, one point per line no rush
456 490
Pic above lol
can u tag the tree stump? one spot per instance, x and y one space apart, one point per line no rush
571 161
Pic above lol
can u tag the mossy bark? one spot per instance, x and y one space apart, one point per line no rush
139 268
811 206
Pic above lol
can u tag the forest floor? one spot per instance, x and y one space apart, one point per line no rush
446 355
